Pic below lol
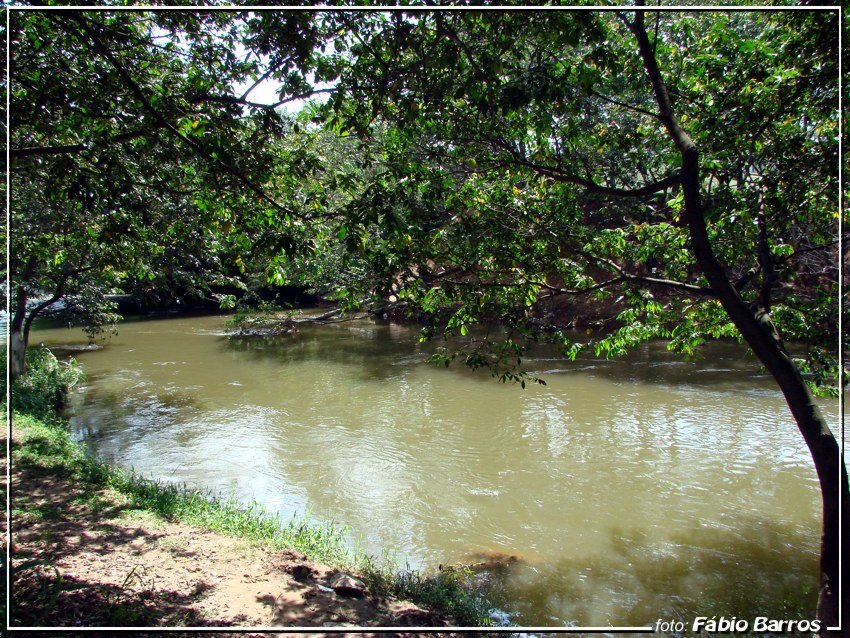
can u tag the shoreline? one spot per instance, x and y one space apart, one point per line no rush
116 547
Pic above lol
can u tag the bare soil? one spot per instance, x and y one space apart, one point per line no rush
81 557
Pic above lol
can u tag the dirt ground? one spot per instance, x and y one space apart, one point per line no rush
90 561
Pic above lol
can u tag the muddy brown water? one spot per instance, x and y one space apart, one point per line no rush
628 490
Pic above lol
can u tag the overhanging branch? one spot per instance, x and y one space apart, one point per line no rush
561 175
68 149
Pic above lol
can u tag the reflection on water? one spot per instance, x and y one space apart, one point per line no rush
627 489
702 571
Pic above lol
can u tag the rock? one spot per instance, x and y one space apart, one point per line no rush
414 616
346 585
300 571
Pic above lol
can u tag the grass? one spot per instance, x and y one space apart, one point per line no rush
45 446
37 513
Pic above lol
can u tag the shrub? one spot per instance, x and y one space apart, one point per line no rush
43 388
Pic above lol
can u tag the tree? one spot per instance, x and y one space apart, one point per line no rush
678 170
132 155
685 162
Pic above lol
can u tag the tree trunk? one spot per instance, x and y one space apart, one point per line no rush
758 331
17 354
18 336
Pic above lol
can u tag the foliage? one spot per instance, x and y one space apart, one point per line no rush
469 175
45 386
136 164
674 172
677 170
448 590
519 175
319 169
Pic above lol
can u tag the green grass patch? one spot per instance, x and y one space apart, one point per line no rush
129 516
170 543
33 513
96 503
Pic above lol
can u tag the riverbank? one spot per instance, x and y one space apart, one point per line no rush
94 546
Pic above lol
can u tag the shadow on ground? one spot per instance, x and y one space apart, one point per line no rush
81 558
52 521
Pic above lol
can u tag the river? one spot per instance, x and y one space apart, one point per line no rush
628 490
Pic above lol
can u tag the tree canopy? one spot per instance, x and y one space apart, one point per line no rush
645 175
538 167
132 158
686 164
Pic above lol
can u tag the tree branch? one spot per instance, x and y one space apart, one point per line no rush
760 334
230 99
36 310
160 119
29 151
561 175
679 285
630 107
